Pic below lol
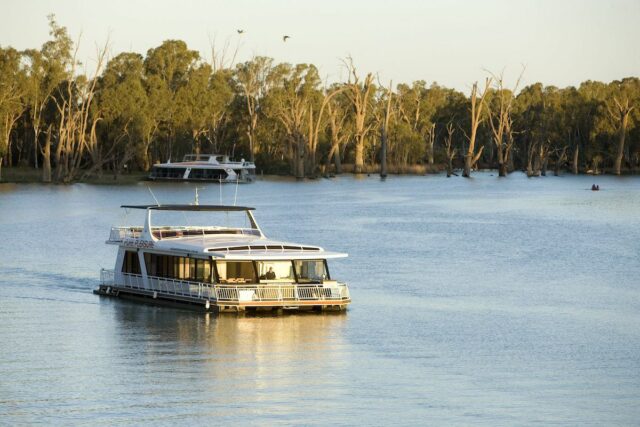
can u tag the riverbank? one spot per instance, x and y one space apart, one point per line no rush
28 175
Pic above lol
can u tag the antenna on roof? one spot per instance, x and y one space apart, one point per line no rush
153 195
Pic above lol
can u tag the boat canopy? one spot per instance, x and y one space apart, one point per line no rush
204 208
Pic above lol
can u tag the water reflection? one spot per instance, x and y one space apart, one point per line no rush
227 359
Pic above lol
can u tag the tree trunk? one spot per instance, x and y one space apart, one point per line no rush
467 166
383 153
502 167
36 147
359 160
337 161
430 143
46 158
620 151
574 166
300 157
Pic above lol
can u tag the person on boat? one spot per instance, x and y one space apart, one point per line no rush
595 187
270 274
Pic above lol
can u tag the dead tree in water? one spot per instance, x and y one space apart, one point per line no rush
501 122
620 114
449 149
471 157
537 158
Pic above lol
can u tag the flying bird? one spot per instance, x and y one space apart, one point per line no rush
240 31
284 38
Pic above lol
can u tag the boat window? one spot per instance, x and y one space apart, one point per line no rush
275 270
310 271
236 272
131 263
210 174
181 268
160 172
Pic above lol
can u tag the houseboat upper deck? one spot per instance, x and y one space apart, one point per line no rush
219 267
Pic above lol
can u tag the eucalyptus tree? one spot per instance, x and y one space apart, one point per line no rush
194 104
221 92
253 80
158 112
122 101
620 107
292 100
597 126
167 69
12 89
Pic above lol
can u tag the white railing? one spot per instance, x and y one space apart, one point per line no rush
164 285
170 232
287 292
107 277
281 292
118 234
132 234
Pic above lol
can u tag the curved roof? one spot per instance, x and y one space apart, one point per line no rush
212 208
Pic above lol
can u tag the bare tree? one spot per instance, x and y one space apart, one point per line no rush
450 150
76 130
384 134
314 126
471 157
360 96
338 133
501 121
223 58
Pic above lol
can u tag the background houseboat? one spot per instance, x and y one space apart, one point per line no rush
231 267
205 167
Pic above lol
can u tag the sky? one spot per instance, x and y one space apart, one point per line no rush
454 43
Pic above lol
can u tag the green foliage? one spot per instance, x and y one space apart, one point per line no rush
169 103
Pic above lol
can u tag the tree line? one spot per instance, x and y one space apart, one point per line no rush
134 111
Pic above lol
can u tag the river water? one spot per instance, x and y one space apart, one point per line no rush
485 301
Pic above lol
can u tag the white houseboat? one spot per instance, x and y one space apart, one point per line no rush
205 167
219 267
